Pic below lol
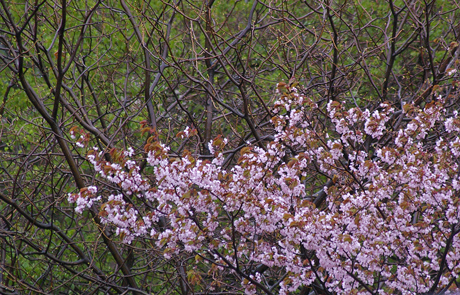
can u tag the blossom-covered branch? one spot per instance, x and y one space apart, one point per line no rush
389 223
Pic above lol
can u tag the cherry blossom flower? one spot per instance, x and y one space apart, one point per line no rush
385 221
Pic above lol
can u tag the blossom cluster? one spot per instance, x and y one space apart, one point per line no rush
389 223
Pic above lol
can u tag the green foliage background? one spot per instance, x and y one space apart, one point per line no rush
210 65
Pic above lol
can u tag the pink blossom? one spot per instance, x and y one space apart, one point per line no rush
390 208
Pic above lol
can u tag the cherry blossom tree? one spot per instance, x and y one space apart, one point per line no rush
261 192
385 221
